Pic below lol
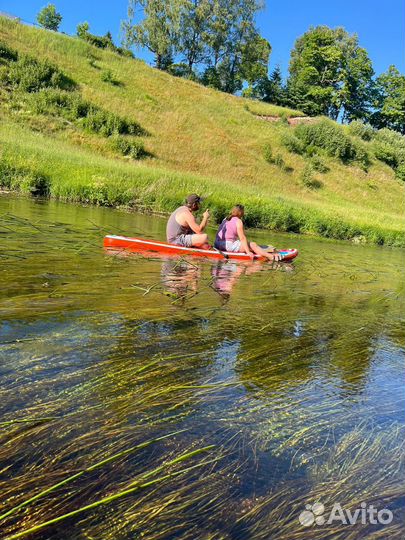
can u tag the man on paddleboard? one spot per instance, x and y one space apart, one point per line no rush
182 228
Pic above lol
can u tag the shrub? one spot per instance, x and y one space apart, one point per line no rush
59 103
82 30
92 63
182 70
389 147
107 76
30 75
107 123
70 105
384 152
8 54
311 150
129 147
268 153
391 137
292 143
331 137
307 178
326 135
35 184
24 180
318 164
279 161
362 130
283 119
400 172
362 155
102 42
125 52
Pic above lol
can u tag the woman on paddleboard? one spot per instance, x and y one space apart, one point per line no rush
231 237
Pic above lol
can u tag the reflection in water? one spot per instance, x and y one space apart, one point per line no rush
225 274
289 391
180 279
224 277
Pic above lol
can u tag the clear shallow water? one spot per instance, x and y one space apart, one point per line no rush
290 380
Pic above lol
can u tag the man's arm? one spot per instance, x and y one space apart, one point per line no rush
194 226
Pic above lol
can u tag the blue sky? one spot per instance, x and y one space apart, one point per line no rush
379 25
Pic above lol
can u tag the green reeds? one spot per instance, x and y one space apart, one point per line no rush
298 403
87 470
134 486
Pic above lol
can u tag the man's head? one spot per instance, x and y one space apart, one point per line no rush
193 202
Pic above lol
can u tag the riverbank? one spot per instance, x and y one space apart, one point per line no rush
34 164
176 136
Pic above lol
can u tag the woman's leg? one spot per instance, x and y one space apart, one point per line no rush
260 251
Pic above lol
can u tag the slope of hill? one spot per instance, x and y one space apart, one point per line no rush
195 138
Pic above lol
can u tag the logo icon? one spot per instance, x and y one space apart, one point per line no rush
312 514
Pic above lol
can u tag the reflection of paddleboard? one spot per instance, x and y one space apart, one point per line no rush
141 246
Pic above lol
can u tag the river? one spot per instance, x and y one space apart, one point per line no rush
188 399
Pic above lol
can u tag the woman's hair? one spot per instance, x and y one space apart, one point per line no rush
237 211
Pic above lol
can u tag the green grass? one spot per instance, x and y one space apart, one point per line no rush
199 140
267 109
79 175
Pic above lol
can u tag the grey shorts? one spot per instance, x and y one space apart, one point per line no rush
185 240
230 246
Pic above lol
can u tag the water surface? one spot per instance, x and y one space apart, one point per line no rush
273 387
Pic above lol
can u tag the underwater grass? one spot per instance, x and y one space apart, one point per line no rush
142 483
81 473
353 452
293 418
340 478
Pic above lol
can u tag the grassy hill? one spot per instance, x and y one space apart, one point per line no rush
195 139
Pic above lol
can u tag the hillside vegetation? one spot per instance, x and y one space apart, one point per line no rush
89 125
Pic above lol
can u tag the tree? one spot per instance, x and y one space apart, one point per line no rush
49 18
271 89
82 30
195 17
330 74
219 34
237 51
219 28
254 59
158 31
109 40
356 90
389 101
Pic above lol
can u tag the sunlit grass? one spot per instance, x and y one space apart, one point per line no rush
78 175
201 140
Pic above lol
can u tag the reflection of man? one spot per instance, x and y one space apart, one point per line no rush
182 228
180 279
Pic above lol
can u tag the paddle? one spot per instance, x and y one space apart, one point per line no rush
224 255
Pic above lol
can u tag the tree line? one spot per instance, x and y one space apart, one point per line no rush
213 41
217 43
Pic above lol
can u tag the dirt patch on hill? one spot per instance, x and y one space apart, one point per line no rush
293 121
